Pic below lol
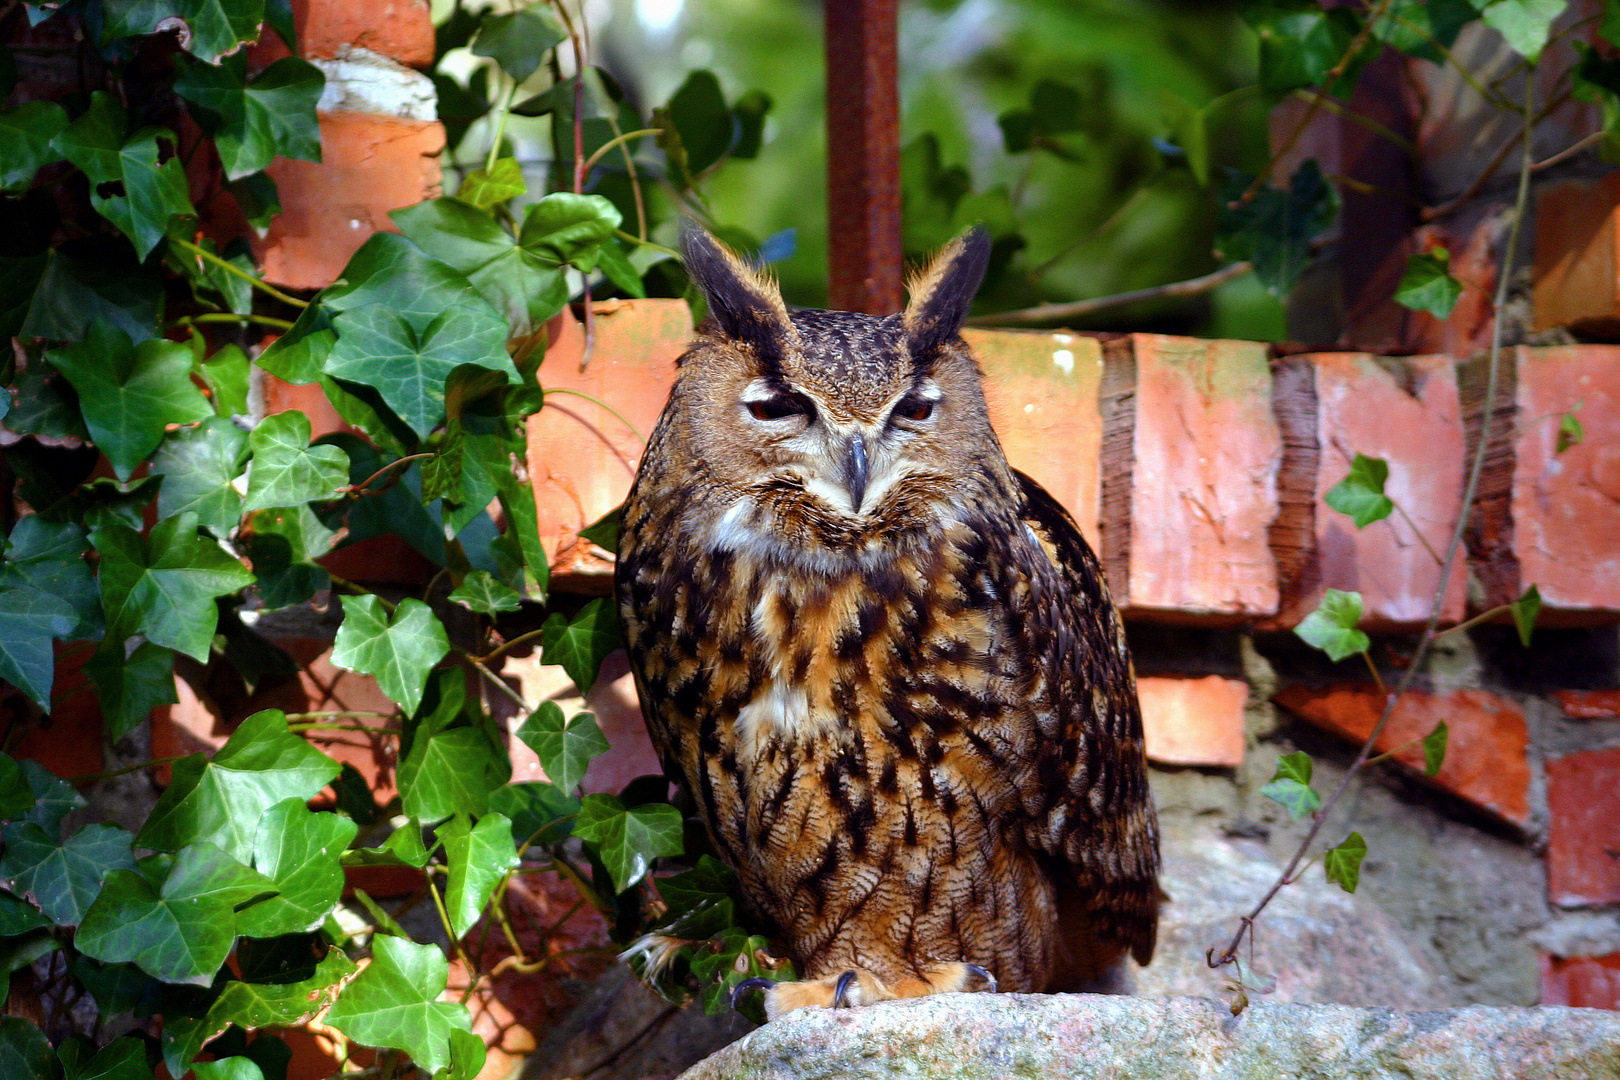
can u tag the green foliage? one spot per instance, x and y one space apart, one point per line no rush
1332 626
394 1002
480 856
1526 24
1274 229
1361 494
627 839
1569 432
1434 749
1427 284
1343 863
581 644
565 747
399 649
1291 786
1525 610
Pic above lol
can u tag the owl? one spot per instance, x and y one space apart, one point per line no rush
883 663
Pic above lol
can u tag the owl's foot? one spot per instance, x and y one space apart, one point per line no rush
859 987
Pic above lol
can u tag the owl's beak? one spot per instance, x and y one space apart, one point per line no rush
856 472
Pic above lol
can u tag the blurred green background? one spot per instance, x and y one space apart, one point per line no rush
1105 201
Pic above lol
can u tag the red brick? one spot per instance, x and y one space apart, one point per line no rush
1589 704
1486 737
369 166
1207 451
66 741
1193 721
581 457
1042 392
1406 412
1584 982
401 30
308 399
1566 507
1583 828
1577 280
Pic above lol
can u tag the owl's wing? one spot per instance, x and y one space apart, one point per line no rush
1093 817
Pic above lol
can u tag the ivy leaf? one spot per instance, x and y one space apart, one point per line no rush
403 847
1434 749
484 189
628 840
130 687
253 122
227 374
127 185
1274 229
1291 787
467 1056
25 142
284 544
1525 609
180 931
700 901
604 531
254 1005
164 587
617 268
480 856
1427 284
393 1003
286 470
569 228
256 196
1421 28
1526 24
66 877
1332 626
380 348
235 1067
90 281
211 28
298 850
1361 494
54 798
697 110
200 467
518 42
18 917
540 811
49 556
122 1059
580 645
25 1052
565 748
451 772
15 797
482 593
29 620
398 650
222 800
129 393
1343 863
1300 44
1570 432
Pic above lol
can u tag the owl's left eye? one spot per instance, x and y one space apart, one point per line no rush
779 407
914 407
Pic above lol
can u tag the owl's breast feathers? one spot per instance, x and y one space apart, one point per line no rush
922 742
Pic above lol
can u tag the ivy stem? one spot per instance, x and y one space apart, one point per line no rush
231 268
1424 540
500 131
224 317
450 931
356 490
91 778
616 141
1387 754
599 403
1372 667
500 684
345 583
1484 616
1470 489
509 645
355 714
634 239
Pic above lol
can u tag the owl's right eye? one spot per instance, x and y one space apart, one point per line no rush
779 407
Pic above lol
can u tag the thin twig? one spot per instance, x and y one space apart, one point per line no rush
614 143
1568 151
223 317
1476 468
357 490
510 645
600 404
231 268
1046 313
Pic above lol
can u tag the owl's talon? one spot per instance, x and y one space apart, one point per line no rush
755 983
978 972
841 990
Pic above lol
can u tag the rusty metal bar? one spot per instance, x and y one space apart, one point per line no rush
863 156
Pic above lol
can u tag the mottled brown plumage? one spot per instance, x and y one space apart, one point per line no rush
884 664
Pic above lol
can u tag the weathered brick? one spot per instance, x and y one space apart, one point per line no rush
1193 721
1042 393
1583 828
1406 412
401 30
1487 737
582 458
1566 507
1589 704
1577 279
1204 481
369 166
1584 982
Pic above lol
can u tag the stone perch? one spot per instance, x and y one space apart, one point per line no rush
990 1037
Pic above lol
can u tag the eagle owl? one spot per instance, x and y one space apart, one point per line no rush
883 663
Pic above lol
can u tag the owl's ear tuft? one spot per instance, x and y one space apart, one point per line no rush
745 305
943 292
